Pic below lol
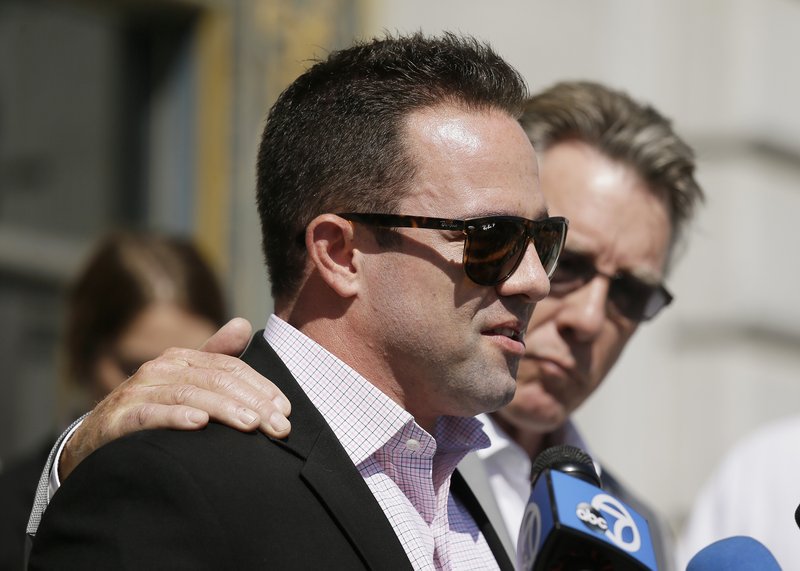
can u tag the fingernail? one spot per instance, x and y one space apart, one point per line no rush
247 416
282 404
278 422
196 417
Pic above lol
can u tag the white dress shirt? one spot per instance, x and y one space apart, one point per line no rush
509 469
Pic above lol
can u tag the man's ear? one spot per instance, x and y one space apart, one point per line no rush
329 243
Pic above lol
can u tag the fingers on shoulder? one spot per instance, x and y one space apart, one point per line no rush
154 415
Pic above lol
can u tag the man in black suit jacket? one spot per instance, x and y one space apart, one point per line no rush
398 198
198 483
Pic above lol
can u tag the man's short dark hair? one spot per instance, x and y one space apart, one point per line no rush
624 130
333 141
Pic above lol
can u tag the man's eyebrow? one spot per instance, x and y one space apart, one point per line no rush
647 276
641 274
540 215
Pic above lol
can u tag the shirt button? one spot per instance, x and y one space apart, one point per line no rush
412 444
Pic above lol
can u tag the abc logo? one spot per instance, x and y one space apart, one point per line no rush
622 531
591 517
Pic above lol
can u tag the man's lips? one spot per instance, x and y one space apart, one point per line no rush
510 337
513 333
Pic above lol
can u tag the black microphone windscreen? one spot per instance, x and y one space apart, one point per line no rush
569 459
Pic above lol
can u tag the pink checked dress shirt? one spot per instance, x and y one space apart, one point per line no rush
407 469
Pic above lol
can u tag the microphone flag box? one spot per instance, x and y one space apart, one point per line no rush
568 521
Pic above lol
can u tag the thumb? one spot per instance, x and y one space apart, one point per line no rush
230 339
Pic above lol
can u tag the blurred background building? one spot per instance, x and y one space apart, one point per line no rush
147 113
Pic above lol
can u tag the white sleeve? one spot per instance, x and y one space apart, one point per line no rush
725 505
49 482
754 492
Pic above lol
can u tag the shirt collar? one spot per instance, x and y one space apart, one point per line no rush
362 417
502 444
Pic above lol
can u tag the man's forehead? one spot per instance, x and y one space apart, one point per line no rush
483 152
459 127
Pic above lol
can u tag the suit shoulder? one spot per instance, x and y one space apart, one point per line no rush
214 443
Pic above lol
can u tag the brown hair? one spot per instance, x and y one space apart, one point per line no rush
126 273
624 130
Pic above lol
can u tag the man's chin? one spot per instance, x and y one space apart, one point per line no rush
506 399
489 402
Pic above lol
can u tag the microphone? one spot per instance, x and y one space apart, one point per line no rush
570 523
738 553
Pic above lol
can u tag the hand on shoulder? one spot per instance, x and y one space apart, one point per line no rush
183 389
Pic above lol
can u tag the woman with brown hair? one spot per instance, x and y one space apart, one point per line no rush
137 295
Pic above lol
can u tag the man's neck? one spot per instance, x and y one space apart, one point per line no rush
345 345
531 442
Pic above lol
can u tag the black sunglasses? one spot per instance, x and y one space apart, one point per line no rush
493 246
628 295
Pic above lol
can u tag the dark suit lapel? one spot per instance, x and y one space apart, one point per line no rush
328 471
461 490
351 502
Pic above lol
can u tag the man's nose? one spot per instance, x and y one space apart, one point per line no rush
583 311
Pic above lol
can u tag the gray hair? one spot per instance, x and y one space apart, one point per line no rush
624 130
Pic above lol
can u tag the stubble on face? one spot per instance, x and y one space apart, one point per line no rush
430 319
